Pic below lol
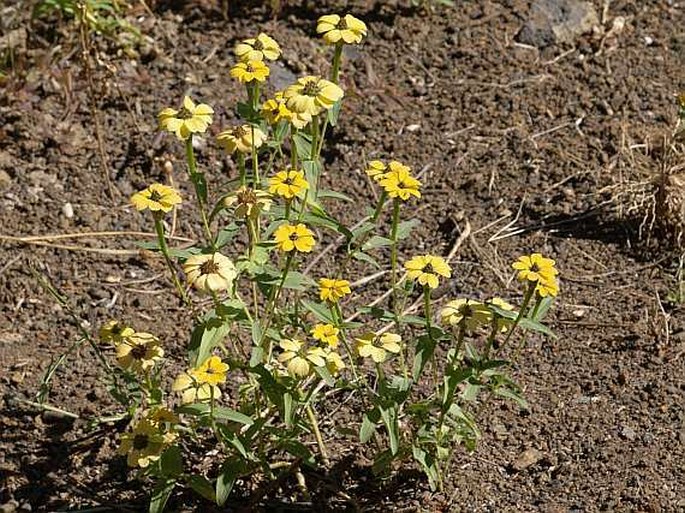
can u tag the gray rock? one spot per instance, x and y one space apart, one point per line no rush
281 77
557 22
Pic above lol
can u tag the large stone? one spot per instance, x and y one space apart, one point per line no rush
557 22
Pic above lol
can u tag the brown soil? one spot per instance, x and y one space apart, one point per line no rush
496 127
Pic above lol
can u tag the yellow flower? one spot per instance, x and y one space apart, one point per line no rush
257 49
332 290
378 347
289 237
139 352
399 183
288 184
334 362
210 272
376 170
156 197
252 71
115 332
144 444
426 269
547 287
326 333
502 322
535 268
248 202
467 313
240 139
212 371
191 391
161 416
312 95
299 358
191 119
335 29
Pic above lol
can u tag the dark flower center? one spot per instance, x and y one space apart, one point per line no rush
239 132
342 24
155 196
139 352
293 236
311 88
209 267
247 197
258 45
428 268
534 268
117 329
184 114
140 441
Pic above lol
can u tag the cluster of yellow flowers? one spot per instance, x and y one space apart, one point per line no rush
201 383
136 351
395 178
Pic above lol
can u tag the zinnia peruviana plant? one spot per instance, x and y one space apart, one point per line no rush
300 310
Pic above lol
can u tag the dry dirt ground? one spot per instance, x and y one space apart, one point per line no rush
517 142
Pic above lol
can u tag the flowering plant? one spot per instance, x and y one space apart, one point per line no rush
278 333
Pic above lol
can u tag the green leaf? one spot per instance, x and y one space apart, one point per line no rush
246 112
324 194
425 347
320 311
451 380
303 145
334 112
205 337
226 235
514 396
161 494
389 417
362 231
405 227
428 465
231 470
381 462
200 183
220 413
281 131
232 438
299 450
171 462
545 304
295 280
368 427
201 486
363 257
532 325
376 242
325 375
272 388
289 406
471 391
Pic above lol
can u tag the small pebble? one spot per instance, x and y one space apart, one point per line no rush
68 210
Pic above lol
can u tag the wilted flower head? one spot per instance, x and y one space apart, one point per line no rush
336 29
257 49
288 184
426 269
312 95
289 237
190 119
248 202
378 346
240 138
251 71
210 272
299 358
156 198
139 352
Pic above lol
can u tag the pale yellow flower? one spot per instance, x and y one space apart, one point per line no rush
467 313
192 392
156 198
378 346
190 119
312 95
252 71
240 139
376 170
299 358
426 269
248 202
115 332
257 49
139 352
145 444
336 29
210 272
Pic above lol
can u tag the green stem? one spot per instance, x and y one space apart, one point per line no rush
337 60
200 188
522 311
241 169
275 293
429 330
167 257
393 257
317 434
255 163
379 207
